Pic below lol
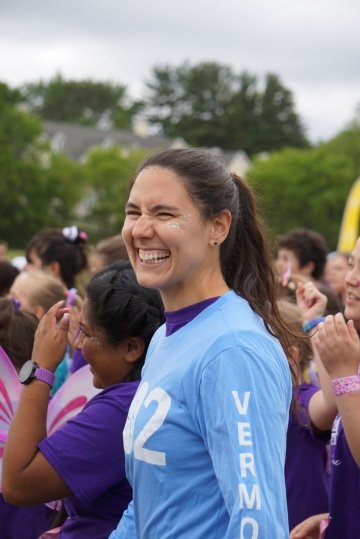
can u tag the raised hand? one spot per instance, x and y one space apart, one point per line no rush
51 337
338 345
311 302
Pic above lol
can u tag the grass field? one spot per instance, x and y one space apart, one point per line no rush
15 252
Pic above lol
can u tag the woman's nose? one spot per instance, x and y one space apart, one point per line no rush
143 227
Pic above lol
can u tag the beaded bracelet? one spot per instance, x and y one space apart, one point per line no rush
347 384
311 324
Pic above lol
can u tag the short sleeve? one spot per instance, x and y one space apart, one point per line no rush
86 443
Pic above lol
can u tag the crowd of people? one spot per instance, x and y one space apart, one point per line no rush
224 375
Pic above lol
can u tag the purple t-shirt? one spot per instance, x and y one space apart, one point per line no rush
344 488
177 319
306 463
87 452
24 522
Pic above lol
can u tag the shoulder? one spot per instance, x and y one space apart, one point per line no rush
115 396
235 325
305 391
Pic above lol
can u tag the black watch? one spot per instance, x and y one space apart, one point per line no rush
31 371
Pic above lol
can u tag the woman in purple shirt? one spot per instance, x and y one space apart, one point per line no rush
83 462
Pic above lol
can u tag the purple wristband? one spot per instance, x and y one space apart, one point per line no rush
45 376
347 384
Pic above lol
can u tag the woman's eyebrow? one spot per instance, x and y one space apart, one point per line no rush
155 207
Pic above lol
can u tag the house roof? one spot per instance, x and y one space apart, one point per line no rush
76 140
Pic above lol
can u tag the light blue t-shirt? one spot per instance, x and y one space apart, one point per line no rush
205 436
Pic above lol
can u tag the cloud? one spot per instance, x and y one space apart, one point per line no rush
312 46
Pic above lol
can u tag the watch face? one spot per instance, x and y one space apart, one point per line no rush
25 374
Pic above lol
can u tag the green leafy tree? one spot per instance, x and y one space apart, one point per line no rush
82 102
243 115
303 188
279 124
9 96
107 173
347 143
210 105
191 101
37 189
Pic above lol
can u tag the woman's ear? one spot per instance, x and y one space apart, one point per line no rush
54 269
39 312
220 227
135 348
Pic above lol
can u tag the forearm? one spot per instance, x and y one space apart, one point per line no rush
322 407
27 428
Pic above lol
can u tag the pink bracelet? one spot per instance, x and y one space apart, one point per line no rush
347 384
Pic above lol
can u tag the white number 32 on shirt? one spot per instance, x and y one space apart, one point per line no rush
163 401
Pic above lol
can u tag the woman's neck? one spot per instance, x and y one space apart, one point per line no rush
176 301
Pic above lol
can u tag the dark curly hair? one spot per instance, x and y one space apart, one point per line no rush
308 246
68 249
121 308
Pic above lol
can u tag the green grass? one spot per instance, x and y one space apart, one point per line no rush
15 252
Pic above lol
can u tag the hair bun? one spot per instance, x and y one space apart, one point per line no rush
74 234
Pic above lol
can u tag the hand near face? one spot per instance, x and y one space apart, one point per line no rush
311 302
338 345
73 326
51 337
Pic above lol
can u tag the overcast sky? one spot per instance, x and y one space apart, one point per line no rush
312 45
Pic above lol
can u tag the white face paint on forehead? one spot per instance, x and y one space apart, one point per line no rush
179 222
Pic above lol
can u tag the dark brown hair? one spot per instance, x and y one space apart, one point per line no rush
55 245
308 246
8 274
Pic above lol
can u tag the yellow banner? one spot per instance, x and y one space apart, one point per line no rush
349 230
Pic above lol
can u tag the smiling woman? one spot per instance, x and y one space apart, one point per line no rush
216 379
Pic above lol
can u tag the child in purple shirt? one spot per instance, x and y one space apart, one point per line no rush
306 464
308 433
83 462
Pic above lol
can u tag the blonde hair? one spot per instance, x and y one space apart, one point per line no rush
44 290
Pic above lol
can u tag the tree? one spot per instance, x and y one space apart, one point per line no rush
9 96
279 124
84 102
243 118
210 105
191 102
303 188
347 143
37 188
107 173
